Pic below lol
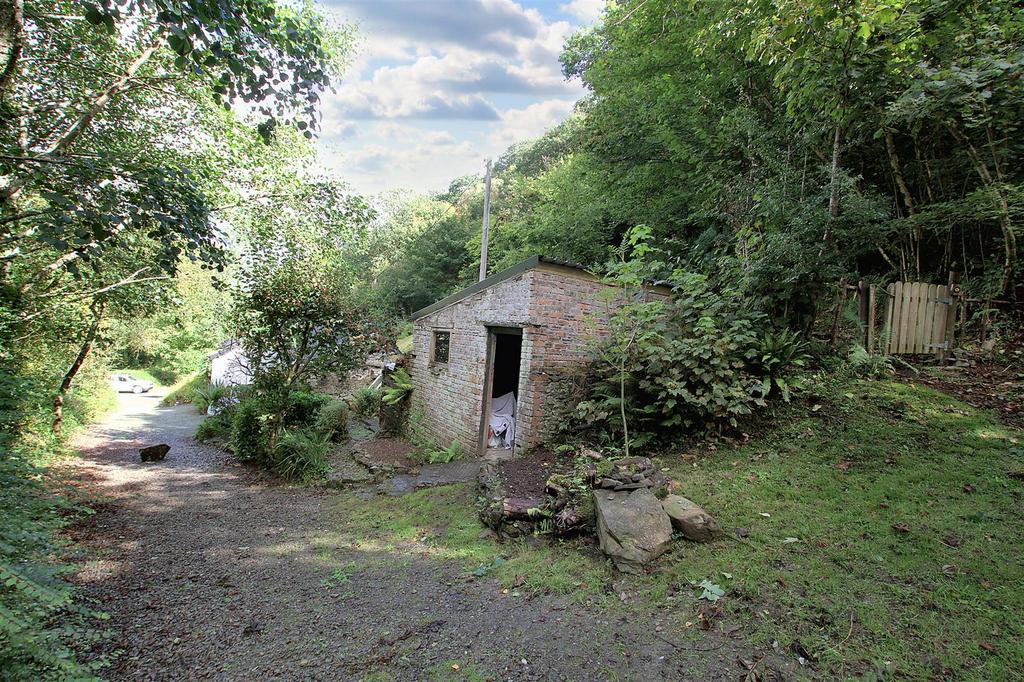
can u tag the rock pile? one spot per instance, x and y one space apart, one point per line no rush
632 527
630 473
634 511
690 520
635 527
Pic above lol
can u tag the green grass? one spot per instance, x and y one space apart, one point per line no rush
442 523
857 592
184 390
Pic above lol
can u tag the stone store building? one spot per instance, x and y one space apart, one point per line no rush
488 361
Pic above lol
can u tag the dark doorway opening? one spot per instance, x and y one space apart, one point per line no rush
508 350
501 392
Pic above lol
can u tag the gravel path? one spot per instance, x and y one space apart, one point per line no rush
210 571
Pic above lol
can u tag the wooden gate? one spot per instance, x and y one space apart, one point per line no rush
918 319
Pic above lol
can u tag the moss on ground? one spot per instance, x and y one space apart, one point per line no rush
882 533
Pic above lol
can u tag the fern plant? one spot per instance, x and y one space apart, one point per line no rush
782 353
401 388
445 455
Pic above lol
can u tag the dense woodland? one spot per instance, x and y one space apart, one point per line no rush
779 145
158 195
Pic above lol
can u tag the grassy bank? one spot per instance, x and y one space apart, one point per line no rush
875 530
41 624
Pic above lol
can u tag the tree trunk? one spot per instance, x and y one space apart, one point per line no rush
833 199
12 28
1002 209
69 376
908 199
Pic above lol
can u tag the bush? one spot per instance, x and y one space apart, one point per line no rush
400 388
217 395
781 353
215 426
366 402
301 454
332 420
696 366
303 407
698 360
248 431
40 624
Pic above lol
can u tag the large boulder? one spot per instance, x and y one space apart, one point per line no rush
632 527
690 519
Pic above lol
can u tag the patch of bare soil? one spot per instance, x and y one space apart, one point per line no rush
528 476
210 571
993 387
385 453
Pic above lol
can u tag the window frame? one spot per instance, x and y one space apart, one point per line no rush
435 333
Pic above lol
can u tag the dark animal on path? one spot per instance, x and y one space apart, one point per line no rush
154 453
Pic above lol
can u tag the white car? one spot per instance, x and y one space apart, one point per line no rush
126 383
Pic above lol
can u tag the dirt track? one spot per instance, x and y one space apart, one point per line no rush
210 571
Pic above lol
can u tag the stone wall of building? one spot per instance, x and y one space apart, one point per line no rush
571 310
450 396
563 314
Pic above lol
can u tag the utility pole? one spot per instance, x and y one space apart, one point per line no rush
487 222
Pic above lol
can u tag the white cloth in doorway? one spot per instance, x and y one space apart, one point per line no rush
503 422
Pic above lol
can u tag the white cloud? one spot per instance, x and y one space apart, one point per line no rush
587 11
437 86
530 122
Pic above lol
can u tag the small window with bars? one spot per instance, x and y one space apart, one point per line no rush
442 344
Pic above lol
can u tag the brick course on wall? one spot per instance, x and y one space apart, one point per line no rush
450 396
562 313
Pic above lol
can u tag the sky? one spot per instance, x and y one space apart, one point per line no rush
438 86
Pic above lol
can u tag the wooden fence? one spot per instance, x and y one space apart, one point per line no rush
919 317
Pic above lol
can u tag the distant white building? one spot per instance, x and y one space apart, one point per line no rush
229 366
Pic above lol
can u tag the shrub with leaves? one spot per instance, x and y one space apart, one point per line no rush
211 395
401 387
445 455
696 360
40 624
248 431
366 401
304 407
215 426
301 454
781 354
332 420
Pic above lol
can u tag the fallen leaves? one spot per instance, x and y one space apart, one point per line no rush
952 541
901 527
710 591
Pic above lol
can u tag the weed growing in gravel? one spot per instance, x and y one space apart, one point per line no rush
340 576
